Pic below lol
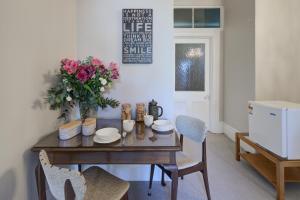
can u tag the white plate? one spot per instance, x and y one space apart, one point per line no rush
114 137
104 132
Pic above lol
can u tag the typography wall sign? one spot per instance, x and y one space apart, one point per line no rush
137 36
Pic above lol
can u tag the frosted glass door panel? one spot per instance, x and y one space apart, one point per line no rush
190 67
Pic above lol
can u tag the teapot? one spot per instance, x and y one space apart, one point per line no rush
153 109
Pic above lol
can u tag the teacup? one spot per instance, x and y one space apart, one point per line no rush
128 125
148 120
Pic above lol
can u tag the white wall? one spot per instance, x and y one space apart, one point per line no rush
99 31
239 63
34 36
277 50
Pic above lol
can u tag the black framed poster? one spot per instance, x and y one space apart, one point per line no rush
137 26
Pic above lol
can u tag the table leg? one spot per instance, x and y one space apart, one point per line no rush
280 182
174 177
40 182
237 147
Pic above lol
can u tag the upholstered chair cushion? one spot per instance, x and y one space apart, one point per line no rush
192 128
184 161
102 185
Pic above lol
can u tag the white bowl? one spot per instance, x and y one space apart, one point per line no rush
87 131
148 120
162 122
128 125
106 132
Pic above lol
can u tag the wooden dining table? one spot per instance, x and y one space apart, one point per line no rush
141 146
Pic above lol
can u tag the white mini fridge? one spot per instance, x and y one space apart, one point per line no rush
275 125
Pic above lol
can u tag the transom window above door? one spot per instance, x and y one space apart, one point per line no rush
197 18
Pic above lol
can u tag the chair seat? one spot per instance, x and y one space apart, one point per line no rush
102 185
184 161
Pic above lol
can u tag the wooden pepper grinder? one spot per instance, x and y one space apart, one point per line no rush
140 112
126 111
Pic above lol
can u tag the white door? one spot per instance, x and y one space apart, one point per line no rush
192 69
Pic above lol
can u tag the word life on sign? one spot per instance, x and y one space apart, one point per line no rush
137 36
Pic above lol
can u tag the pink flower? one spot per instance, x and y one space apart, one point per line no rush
85 73
70 66
103 70
68 69
65 61
74 64
96 62
82 75
90 70
114 67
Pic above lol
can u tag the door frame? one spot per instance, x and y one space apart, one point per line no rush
215 90
195 96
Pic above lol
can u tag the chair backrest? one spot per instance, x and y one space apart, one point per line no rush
191 127
56 178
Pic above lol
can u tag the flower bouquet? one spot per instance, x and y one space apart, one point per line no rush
83 83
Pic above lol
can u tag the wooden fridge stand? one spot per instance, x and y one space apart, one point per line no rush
275 169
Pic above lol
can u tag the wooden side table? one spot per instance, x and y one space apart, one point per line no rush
275 169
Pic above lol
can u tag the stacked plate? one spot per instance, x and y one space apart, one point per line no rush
107 135
69 130
89 126
162 125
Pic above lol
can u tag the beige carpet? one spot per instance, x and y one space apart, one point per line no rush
229 179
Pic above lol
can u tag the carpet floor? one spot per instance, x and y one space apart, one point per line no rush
229 179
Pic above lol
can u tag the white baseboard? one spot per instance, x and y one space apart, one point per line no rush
229 131
217 127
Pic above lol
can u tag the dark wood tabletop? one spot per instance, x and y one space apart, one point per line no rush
142 138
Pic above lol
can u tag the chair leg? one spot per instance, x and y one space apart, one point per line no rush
69 190
151 178
205 178
204 170
162 182
40 182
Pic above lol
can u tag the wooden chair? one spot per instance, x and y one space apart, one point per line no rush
196 130
94 183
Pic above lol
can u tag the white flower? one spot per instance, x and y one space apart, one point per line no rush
102 89
69 89
103 81
69 98
100 79
109 85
